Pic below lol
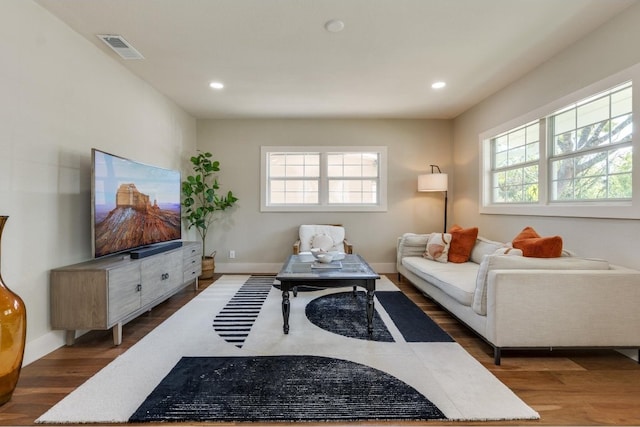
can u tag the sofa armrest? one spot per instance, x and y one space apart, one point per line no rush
410 244
563 308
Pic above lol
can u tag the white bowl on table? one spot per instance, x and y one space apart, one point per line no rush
324 257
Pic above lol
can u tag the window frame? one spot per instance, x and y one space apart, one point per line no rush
323 205
623 209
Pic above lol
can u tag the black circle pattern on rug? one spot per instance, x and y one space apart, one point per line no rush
345 314
281 389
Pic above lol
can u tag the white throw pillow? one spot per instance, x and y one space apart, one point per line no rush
322 241
438 247
508 250
484 247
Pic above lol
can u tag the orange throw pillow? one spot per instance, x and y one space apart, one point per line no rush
462 242
532 245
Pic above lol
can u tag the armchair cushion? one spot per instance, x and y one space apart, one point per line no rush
327 237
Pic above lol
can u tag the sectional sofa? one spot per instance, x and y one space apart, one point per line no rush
519 302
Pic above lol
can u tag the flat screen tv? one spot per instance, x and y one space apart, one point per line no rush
134 205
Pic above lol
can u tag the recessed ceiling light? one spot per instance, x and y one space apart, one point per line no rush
334 26
438 85
216 85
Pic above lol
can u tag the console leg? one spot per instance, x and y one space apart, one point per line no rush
117 333
70 337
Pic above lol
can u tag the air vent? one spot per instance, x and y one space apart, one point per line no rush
120 46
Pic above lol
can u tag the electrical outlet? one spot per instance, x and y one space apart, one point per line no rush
232 254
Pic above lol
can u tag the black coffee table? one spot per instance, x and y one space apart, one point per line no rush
303 270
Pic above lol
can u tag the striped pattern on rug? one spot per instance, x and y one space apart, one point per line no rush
235 320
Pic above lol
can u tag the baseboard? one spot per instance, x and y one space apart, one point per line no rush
42 346
274 268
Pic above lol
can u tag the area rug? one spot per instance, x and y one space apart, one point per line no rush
224 357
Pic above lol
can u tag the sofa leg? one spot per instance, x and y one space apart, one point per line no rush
639 356
496 356
399 278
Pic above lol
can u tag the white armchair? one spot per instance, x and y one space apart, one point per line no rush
327 237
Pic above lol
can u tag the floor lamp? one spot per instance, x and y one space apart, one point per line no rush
435 182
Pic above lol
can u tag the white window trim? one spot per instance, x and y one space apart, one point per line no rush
381 206
544 207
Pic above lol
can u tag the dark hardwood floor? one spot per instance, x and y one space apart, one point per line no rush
581 387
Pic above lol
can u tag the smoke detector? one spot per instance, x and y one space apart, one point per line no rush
120 46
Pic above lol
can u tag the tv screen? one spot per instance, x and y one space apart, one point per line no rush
134 204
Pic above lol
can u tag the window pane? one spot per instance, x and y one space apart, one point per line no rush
620 160
517 138
594 135
562 169
501 144
591 188
533 152
620 186
593 112
514 177
352 191
501 160
516 156
353 165
352 171
621 129
564 143
564 122
531 193
530 174
562 190
621 102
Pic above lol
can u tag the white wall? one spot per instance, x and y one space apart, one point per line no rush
61 96
610 49
263 240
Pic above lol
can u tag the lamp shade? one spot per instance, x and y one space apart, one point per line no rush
433 182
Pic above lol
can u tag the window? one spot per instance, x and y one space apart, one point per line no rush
515 165
323 179
591 148
573 158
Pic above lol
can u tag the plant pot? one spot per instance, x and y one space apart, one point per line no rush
13 334
208 267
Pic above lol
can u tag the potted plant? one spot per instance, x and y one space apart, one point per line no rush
201 201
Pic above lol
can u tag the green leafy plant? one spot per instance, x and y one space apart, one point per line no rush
201 199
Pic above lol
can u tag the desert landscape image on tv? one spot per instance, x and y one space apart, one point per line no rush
134 204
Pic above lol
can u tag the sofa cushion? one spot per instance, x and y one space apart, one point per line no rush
462 242
484 247
533 245
456 280
505 262
438 247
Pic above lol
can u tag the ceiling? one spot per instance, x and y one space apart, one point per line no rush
276 58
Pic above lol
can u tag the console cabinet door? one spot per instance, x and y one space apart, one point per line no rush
161 274
124 291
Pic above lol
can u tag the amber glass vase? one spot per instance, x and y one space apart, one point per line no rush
13 333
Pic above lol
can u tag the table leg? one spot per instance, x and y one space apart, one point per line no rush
370 308
286 308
